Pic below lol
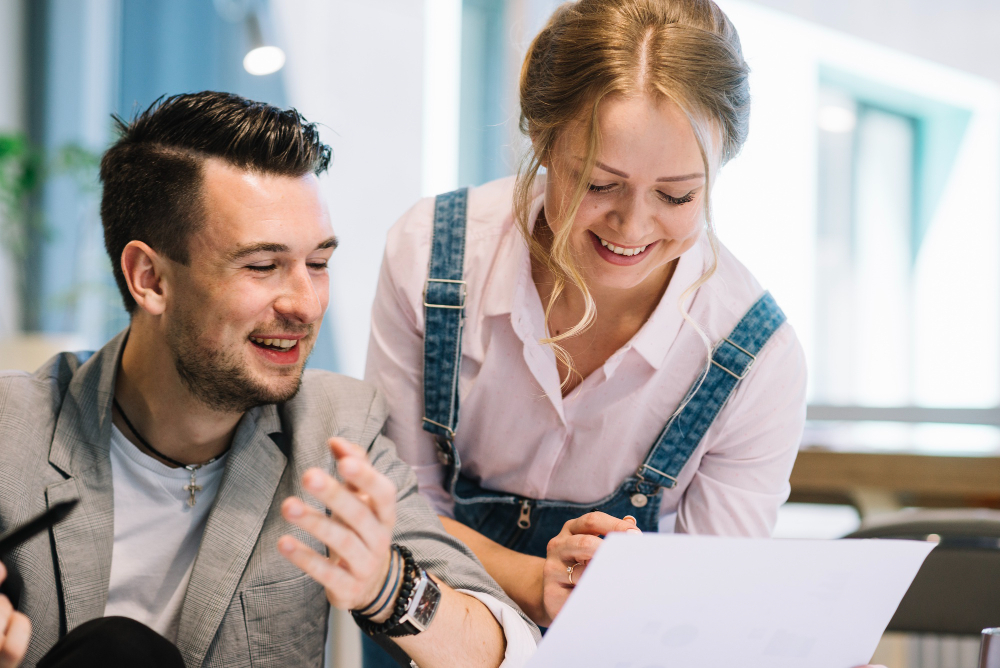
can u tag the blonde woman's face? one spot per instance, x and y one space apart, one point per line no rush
645 203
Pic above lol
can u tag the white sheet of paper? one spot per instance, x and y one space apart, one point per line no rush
659 601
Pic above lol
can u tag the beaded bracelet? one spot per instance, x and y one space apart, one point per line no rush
402 600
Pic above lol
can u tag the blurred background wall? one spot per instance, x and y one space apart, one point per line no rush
867 198
419 96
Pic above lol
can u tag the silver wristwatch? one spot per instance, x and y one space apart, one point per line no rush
420 608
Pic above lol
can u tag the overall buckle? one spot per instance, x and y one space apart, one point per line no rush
445 280
753 358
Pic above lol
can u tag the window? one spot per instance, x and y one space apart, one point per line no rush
867 199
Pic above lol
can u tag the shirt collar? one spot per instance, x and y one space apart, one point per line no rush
506 283
657 335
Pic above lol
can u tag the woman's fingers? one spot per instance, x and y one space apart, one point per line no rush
598 524
557 573
573 548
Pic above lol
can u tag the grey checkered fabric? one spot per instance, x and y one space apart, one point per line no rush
245 604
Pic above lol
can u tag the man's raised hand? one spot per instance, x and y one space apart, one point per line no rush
357 533
15 631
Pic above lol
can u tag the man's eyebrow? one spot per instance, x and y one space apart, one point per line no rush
273 247
662 179
262 247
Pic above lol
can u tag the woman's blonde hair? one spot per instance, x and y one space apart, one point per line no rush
684 51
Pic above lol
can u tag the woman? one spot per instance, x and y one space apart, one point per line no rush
613 356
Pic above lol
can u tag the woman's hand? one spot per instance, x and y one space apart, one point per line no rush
15 631
569 552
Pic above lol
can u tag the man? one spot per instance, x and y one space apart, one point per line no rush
199 449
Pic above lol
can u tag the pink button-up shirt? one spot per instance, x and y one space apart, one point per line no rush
516 431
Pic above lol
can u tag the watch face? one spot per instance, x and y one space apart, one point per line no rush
427 604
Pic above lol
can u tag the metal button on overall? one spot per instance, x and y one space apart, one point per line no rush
639 500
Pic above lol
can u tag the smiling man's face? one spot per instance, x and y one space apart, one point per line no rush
244 313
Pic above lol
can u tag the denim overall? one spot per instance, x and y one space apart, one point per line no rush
524 524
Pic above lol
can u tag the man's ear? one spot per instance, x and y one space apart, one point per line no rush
146 273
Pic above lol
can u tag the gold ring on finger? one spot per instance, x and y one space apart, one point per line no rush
569 571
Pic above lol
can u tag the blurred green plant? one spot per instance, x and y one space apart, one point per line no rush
24 168
21 167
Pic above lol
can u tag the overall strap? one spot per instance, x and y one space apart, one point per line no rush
731 361
444 315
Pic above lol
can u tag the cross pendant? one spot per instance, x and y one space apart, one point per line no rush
192 487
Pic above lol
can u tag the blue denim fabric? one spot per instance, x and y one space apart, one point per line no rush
444 310
527 525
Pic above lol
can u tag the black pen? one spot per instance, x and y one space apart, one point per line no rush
18 535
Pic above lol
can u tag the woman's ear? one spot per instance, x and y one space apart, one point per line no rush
145 273
539 150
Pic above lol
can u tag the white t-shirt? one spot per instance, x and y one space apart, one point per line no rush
156 534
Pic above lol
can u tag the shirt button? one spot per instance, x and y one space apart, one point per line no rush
639 500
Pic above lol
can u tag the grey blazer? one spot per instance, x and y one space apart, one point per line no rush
245 604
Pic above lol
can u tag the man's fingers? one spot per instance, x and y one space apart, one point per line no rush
379 489
345 506
309 561
7 617
598 524
342 542
358 473
342 588
341 447
14 644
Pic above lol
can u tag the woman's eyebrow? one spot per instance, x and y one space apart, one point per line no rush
684 177
617 172
662 179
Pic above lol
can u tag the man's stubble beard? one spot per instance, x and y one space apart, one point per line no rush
220 379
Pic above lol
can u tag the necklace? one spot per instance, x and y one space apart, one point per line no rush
192 486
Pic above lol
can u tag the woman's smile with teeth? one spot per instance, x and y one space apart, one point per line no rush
618 250
283 344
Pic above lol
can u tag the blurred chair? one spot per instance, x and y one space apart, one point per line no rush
27 352
957 590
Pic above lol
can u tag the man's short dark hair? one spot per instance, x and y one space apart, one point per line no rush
152 175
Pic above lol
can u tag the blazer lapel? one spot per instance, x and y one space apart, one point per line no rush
85 539
245 496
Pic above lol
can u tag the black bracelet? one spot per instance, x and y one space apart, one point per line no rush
402 599
391 577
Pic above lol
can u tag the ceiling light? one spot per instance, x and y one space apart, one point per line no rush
263 58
